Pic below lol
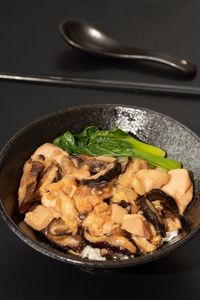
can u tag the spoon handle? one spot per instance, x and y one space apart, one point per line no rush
102 84
180 64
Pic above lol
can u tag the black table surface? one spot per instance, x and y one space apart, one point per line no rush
30 43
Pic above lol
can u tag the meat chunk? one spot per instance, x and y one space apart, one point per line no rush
136 224
121 192
50 151
67 184
99 221
172 224
39 218
134 166
64 205
143 244
118 213
145 180
180 188
86 198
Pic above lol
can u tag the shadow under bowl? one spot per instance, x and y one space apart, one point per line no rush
151 127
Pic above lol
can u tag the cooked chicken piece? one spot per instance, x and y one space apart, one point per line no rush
49 151
134 166
64 205
86 198
31 172
180 188
117 230
145 180
81 173
136 224
67 185
118 213
39 218
105 191
121 192
99 221
118 242
172 224
143 244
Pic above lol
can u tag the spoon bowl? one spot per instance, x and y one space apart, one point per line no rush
86 37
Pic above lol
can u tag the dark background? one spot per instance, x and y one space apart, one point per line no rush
30 43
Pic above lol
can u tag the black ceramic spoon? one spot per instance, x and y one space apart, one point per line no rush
86 37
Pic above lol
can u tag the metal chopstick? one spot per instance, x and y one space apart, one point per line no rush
106 84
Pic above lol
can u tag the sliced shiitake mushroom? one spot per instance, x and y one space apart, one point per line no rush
167 201
31 172
57 233
113 242
103 177
151 214
58 227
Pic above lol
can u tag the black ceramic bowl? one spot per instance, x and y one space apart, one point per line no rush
149 126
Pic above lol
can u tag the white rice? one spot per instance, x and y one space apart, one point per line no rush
95 254
170 235
92 253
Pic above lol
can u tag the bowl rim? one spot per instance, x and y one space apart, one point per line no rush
72 259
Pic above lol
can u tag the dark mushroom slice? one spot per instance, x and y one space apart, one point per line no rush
151 214
58 227
103 177
58 234
167 201
170 208
77 160
52 174
66 242
31 173
113 242
96 165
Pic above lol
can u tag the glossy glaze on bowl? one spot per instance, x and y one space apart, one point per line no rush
149 126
